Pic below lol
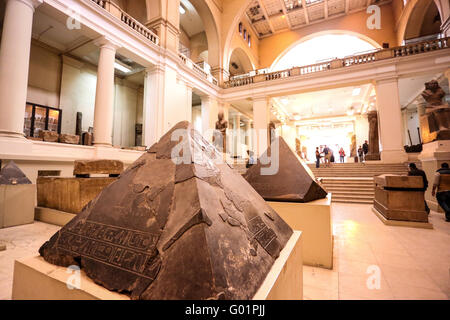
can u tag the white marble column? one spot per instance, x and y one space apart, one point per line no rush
14 63
390 121
153 113
237 134
209 116
261 119
104 94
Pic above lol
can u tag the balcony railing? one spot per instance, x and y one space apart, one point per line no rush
202 73
127 19
402 51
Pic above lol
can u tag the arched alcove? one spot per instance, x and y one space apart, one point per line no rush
424 20
322 46
240 62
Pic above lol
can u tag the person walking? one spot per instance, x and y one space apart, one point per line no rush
443 190
342 155
317 157
365 149
327 154
360 154
414 171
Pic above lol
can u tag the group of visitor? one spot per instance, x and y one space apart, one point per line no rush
363 151
440 190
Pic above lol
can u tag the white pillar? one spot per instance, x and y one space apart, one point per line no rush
209 116
14 62
104 94
153 113
261 119
189 102
390 121
237 134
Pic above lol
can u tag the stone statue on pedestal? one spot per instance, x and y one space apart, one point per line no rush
353 146
435 123
220 136
374 147
272 134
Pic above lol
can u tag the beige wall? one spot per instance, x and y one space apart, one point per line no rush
44 76
198 44
271 48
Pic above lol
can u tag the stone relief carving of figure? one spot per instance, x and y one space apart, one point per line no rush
220 136
435 123
353 146
433 95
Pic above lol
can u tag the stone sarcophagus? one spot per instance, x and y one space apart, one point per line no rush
17 197
71 194
400 198
177 224
285 178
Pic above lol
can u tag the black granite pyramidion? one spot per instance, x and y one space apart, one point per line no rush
293 182
11 174
166 230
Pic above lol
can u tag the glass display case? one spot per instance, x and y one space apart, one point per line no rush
39 117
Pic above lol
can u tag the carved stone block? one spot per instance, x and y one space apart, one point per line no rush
11 174
183 228
49 136
69 194
86 167
400 198
69 138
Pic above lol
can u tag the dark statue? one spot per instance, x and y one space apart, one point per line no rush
175 230
294 181
220 136
435 123
374 144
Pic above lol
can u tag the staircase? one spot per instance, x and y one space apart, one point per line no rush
353 182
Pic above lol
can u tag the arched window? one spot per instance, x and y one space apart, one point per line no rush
249 41
240 28
245 34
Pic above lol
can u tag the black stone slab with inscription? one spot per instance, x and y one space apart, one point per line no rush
11 174
292 182
192 229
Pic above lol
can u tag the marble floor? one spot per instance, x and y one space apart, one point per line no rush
396 262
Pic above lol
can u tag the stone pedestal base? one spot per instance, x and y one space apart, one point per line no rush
53 216
314 220
434 124
401 205
399 223
432 156
17 204
36 279
373 156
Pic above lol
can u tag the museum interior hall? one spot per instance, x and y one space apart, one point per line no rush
224 149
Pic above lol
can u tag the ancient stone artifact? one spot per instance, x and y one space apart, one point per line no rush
71 194
69 138
11 174
293 182
435 123
374 144
400 197
49 136
177 224
220 136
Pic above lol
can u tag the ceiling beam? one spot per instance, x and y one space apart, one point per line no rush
325 9
347 6
283 7
266 15
305 11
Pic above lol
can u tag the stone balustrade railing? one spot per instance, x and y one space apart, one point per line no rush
407 50
202 73
127 19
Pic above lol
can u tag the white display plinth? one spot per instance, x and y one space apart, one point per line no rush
36 279
53 216
314 219
17 204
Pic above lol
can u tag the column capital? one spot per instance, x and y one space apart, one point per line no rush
33 4
107 43
154 69
386 80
